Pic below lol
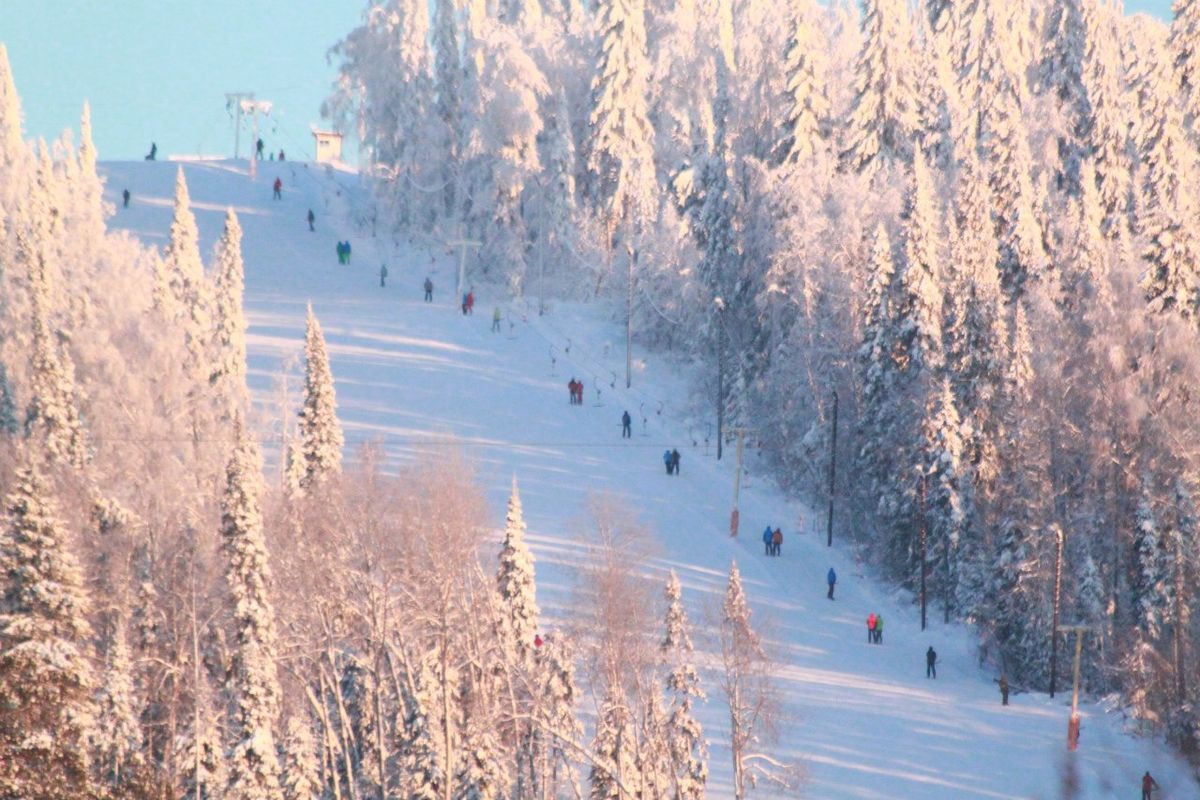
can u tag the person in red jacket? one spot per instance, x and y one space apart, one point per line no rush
1148 786
871 628
471 302
278 187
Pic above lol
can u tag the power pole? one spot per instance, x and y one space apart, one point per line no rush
233 102
832 471
254 108
737 480
462 242
720 306
629 318
1058 556
921 516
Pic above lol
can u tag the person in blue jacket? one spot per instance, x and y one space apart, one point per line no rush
667 460
767 539
832 579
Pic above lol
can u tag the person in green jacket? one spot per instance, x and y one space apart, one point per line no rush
878 629
496 320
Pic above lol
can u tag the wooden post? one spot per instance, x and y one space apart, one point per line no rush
832 472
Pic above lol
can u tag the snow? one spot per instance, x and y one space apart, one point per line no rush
865 722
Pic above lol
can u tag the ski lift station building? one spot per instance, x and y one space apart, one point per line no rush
328 146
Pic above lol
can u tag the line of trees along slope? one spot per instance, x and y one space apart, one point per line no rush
975 221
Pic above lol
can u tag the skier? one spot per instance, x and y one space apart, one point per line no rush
347 251
578 393
767 540
1003 690
871 628
572 387
776 541
878 629
278 186
382 275
281 154
311 219
930 663
428 290
496 320
258 147
464 304
153 152
471 301
341 252
675 461
125 197
667 460
831 578
626 426
1148 786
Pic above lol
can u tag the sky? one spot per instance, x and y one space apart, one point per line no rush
158 71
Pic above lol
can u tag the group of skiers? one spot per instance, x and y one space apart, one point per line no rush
671 460
468 302
258 150
772 540
575 388
874 628
343 252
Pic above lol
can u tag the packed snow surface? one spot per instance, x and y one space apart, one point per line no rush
422 378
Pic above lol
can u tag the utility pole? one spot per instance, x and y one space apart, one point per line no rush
462 242
254 108
1058 556
233 102
720 306
629 316
832 471
737 480
921 517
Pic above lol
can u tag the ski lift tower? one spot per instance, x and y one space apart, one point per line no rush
254 108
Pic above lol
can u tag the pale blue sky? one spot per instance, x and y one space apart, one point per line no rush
159 70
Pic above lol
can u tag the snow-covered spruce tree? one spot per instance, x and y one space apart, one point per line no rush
447 89
203 771
228 359
321 437
419 752
46 680
86 208
614 774
1185 53
480 773
685 738
1149 585
806 98
515 580
918 315
1108 131
253 683
883 112
118 741
620 150
937 108
189 286
8 406
301 770
52 416
1172 280
554 698
1060 76
12 144
948 496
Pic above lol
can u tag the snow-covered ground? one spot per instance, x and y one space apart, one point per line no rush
422 378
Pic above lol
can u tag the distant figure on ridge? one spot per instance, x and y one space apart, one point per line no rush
259 148
428 290
281 154
153 152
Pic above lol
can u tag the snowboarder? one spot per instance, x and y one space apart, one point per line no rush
428 290
626 426
675 461
930 663
125 198
278 187
1148 786
471 301
311 219
831 579
258 148
153 152
878 629
667 460
871 628
496 320
382 275
776 541
767 540
1003 690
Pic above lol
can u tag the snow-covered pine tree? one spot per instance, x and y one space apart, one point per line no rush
883 112
515 580
8 405
614 774
744 682
189 286
86 187
947 498
253 683
806 96
620 151
118 741
555 696
47 712
918 316
447 88
1090 278
203 772
228 359
685 738
421 759
1149 586
1060 75
937 108
301 770
12 143
1109 142
321 437
480 773
1185 53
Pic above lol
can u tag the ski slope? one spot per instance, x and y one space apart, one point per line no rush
864 721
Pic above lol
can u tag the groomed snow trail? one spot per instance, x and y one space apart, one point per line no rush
865 722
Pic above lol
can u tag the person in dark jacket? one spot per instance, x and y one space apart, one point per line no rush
667 460
776 541
930 663
675 461
382 275
1148 786
125 198
311 219
258 147
767 540
281 154
878 629
626 426
428 290
1003 690
831 579
153 152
